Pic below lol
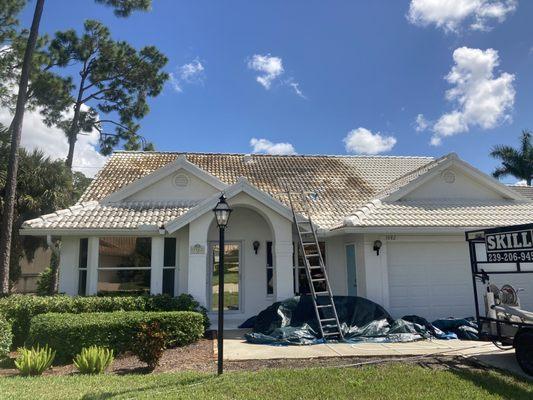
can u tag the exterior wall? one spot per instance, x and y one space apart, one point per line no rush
30 270
463 187
166 190
336 263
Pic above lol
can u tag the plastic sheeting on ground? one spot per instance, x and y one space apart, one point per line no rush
293 321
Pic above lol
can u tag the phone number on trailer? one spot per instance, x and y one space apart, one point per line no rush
520 256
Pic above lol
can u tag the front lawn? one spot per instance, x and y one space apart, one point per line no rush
394 381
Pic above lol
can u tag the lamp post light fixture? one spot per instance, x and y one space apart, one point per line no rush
222 212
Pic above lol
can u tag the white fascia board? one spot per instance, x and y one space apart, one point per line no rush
142 183
242 186
474 173
412 230
88 232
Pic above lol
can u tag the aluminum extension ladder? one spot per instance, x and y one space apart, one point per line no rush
326 313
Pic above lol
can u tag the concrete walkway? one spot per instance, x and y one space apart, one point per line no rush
237 349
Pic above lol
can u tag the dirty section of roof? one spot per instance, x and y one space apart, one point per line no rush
442 213
342 182
124 215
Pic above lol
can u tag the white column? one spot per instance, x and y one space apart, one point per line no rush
68 265
156 276
92 265
198 258
283 268
283 259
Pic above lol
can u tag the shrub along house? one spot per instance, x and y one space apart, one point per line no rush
391 228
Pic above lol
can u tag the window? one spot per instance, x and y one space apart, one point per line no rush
301 284
231 277
82 266
269 270
124 264
169 266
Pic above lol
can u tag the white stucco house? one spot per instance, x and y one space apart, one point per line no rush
145 224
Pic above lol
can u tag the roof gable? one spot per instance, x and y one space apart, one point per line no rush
167 181
448 177
242 186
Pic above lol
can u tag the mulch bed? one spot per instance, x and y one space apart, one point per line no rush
200 357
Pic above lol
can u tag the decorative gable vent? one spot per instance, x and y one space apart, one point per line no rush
181 181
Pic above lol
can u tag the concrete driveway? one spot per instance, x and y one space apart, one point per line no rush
237 349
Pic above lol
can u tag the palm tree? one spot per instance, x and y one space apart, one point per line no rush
515 162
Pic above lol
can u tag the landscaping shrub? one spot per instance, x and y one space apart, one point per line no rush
94 360
69 333
6 337
20 309
45 282
34 361
149 344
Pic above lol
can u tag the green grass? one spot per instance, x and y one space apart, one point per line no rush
393 381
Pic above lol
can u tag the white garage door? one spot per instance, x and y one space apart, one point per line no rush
433 280
430 279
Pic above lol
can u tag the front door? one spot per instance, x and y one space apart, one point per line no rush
351 270
232 277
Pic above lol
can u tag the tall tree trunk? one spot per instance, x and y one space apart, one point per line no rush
12 168
72 135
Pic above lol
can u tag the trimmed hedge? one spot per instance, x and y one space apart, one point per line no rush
6 337
20 309
69 333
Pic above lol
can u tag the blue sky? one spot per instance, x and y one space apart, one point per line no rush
356 64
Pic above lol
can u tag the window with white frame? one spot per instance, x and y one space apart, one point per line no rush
169 266
124 264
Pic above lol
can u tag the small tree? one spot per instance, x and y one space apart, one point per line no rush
515 162
114 79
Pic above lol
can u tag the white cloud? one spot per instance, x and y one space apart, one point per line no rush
482 99
190 73
53 142
296 87
421 123
268 147
268 66
363 141
450 15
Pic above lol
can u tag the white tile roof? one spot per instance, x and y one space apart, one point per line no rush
442 213
125 215
343 184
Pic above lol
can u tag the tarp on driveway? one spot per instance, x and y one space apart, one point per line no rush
293 321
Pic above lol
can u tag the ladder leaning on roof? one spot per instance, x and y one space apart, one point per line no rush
315 268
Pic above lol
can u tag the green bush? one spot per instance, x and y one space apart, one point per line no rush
6 337
69 333
20 309
149 344
34 361
45 282
94 360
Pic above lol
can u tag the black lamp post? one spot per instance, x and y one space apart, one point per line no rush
222 212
